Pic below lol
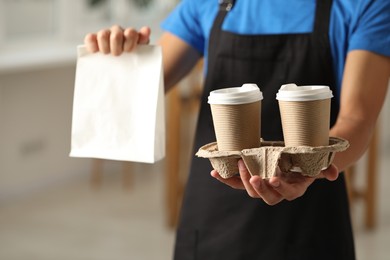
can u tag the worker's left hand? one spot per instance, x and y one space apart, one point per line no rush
283 186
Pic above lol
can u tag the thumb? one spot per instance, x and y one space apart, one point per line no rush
331 173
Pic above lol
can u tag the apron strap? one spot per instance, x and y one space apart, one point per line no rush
226 5
322 16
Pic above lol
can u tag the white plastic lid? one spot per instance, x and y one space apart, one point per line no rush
292 92
247 93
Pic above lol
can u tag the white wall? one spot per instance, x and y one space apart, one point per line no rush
35 124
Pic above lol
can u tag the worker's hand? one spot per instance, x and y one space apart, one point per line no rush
116 40
283 186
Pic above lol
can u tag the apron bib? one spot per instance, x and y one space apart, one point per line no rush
221 223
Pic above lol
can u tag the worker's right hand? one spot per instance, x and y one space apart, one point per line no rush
116 40
283 186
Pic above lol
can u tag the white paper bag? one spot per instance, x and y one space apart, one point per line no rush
118 106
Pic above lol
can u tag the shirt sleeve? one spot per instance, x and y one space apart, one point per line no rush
184 23
370 29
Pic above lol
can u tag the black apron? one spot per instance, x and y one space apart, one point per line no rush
221 223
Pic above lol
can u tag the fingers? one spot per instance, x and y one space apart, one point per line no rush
257 187
103 41
293 185
245 177
331 173
116 40
234 182
144 35
254 185
284 186
265 191
291 190
290 185
131 39
90 42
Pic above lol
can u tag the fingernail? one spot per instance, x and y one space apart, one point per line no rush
214 173
241 165
274 183
256 182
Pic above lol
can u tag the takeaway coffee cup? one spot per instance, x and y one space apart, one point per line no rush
236 117
305 113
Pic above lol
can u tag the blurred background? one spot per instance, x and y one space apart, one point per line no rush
56 207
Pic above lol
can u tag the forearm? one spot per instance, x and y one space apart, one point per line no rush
358 134
178 59
364 88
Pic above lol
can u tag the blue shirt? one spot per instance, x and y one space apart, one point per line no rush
354 24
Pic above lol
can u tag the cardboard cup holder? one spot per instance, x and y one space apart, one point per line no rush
262 161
